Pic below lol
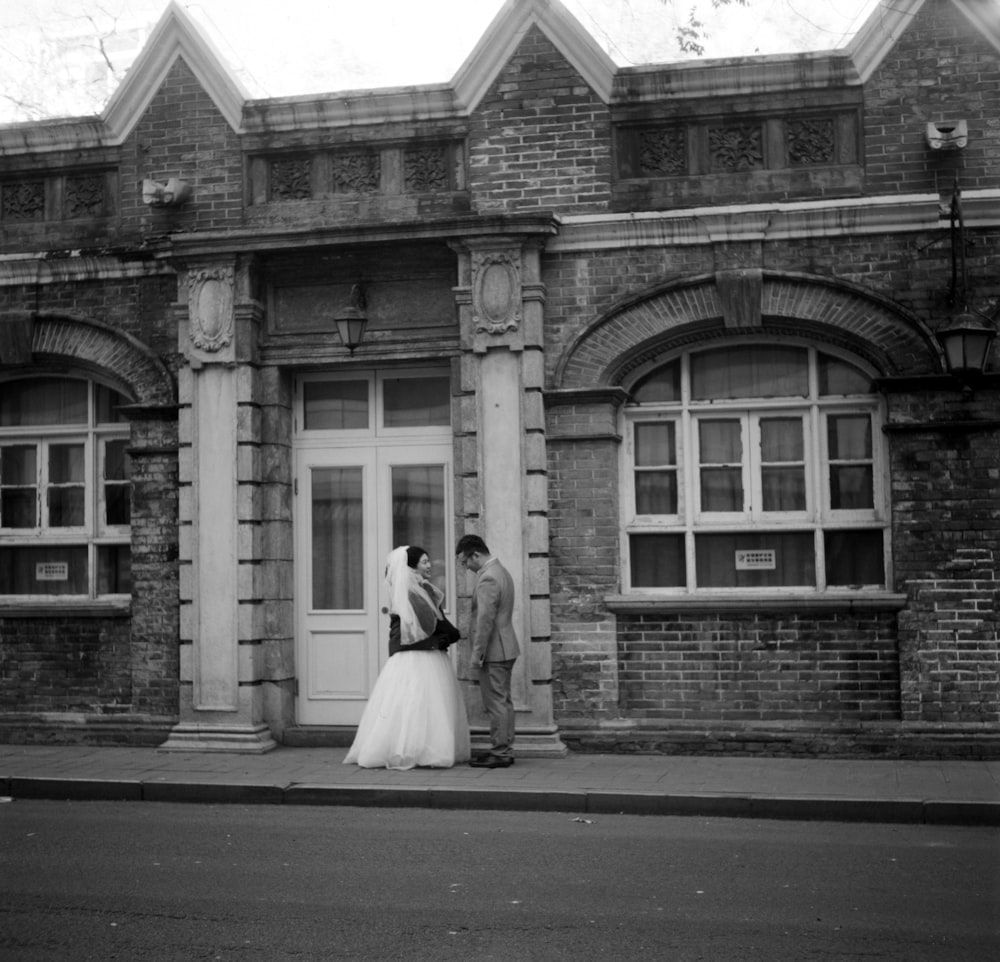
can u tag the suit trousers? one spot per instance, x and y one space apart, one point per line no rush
494 687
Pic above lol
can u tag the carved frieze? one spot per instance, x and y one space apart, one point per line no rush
23 200
425 169
810 142
355 173
291 178
496 291
663 152
736 147
85 196
210 307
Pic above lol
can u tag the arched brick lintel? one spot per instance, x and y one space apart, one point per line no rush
90 345
681 313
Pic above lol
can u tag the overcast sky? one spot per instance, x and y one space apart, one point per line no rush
303 47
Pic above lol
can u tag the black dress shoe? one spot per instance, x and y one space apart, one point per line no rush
491 761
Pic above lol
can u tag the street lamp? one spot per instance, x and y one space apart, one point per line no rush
966 343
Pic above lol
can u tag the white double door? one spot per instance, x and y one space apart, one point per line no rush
353 506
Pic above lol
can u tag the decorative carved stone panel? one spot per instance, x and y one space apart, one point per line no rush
496 291
736 147
210 307
85 196
23 200
810 142
291 179
425 169
355 173
663 152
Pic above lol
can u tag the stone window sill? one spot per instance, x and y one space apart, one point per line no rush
640 604
69 609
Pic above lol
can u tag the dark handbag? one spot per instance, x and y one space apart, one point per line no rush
447 632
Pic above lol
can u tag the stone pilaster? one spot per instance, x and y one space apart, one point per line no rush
501 470
221 696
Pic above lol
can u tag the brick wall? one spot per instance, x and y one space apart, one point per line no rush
759 667
940 69
540 138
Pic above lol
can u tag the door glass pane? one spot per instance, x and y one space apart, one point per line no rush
418 513
657 560
335 405
337 538
416 402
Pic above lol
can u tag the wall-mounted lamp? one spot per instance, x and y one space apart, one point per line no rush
966 343
173 193
947 136
352 318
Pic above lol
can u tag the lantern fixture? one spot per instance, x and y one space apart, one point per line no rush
352 319
966 343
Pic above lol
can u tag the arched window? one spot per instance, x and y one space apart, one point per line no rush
65 490
754 467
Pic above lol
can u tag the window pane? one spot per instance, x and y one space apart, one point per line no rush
41 401
781 439
416 402
18 508
335 405
18 464
851 487
720 442
418 501
750 371
721 489
44 570
839 377
769 560
66 464
854 558
117 504
337 538
117 464
114 569
656 492
657 560
66 507
783 489
662 385
654 444
850 437
106 404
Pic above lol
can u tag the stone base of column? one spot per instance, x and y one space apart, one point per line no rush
250 739
529 743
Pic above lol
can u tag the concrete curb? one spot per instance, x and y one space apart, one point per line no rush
574 801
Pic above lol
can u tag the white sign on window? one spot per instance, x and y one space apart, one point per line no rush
52 571
759 560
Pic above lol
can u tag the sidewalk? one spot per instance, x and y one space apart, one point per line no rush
939 792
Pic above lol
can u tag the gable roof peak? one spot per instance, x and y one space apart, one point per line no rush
508 29
176 34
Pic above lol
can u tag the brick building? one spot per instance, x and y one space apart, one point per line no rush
668 337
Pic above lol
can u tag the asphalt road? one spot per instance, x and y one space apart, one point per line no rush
146 881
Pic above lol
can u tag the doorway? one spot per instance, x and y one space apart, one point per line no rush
373 470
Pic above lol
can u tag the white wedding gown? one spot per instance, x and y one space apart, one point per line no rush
415 717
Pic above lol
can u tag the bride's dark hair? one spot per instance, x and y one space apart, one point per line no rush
413 555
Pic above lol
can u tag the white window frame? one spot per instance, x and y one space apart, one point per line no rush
94 533
819 517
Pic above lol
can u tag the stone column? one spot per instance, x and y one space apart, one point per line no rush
501 460
221 705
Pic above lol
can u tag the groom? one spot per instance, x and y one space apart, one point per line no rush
494 645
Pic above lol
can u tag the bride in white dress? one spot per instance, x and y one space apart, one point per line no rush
416 715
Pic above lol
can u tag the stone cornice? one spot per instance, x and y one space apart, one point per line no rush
770 222
41 268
